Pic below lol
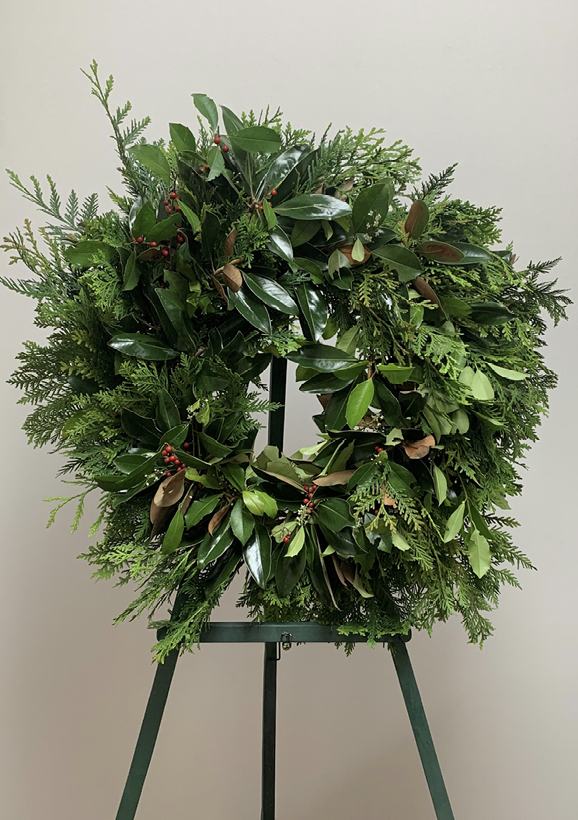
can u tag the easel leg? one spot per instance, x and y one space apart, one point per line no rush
269 732
422 734
147 738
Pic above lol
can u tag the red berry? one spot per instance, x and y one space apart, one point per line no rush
201 167
178 208
165 202
173 459
376 512
173 195
165 252
153 244
186 445
168 475
287 539
378 449
261 207
306 488
164 452
169 448
140 239
206 167
311 504
133 239
167 460
178 197
182 467
199 485
305 500
217 140
273 192
225 148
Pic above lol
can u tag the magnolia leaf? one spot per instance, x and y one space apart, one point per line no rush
280 244
257 554
169 492
230 241
322 358
479 553
403 261
395 373
251 308
417 219
232 276
271 293
213 546
340 477
455 523
440 252
242 522
334 513
337 565
425 290
371 206
131 273
313 206
314 309
440 484
142 347
358 402
217 518
420 448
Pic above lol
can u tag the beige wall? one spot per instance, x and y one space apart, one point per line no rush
489 84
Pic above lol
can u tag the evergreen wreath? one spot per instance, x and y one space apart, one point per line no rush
247 244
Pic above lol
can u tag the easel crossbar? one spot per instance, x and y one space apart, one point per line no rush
305 632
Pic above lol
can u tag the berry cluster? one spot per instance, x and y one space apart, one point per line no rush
173 461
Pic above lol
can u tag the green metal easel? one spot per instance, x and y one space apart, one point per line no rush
274 636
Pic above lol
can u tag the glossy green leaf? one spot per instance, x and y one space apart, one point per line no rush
130 461
242 522
479 553
131 274
89 252
114 483
363 475
144 221
390 406
455 523
153 158
303 231
257 554
256 139
371 206
399 541
213 546
175 436
268 503
323 358
395 373
323 383
191 217
455 307
335 514
253 502
271 293
182 137
269 214
235 475
165 229
280 168
490 313
440 252
512 375
174 534
213 447
296 543
358 251
401 260
168 415
314 309
251 308
417 219
232 122
142 347
288 572
440 484
473 254
176 312
280 244
215 162
313 206
207 108
140 427
200 509
358 402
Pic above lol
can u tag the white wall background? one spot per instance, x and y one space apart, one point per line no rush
488 84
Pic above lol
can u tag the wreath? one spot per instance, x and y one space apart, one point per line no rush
242 247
